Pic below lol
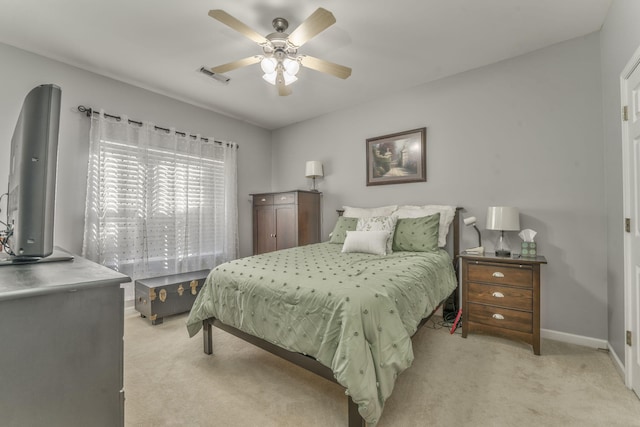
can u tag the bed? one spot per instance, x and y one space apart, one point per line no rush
346 316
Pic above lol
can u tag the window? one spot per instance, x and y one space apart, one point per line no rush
158 203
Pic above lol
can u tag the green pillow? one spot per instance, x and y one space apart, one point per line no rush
417 234
343 225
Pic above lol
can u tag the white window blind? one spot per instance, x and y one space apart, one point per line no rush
157 202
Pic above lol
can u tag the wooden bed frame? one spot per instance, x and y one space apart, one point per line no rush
308 362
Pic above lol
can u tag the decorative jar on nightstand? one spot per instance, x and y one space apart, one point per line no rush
501 296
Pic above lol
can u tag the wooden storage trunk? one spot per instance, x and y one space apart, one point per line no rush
158 297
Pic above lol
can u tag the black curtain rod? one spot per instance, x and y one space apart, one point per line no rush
89 111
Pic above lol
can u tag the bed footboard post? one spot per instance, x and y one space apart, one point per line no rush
206 335
355 419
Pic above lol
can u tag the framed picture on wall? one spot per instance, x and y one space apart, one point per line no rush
397 158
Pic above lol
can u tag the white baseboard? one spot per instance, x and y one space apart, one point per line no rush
617 363
574 339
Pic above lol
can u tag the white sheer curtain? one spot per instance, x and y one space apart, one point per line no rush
158 202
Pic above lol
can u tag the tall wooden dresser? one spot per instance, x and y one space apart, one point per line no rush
61 357
285 220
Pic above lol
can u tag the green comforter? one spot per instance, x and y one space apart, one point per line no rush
353 312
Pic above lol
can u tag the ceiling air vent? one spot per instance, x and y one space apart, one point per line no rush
219 77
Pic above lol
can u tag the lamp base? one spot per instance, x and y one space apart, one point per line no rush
503 253
502 248
475 251
313 185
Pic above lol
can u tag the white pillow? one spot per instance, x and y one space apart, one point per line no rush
379 223
368 242
447 213
350 212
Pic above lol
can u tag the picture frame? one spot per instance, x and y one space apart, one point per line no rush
397 158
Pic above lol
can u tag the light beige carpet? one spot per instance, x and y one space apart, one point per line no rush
478 381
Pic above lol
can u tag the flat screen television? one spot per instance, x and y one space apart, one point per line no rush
32 177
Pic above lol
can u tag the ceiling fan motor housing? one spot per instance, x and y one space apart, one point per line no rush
280 24
279 46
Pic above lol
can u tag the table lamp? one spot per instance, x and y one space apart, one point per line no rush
503 218
479 250
313 170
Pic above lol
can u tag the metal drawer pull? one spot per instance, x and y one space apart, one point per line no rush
263 200
498 274
498 294
498 316
283 198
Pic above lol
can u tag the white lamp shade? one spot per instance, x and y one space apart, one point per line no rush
271 78
503 218
313 169
291 66
470 220
268 65
288 78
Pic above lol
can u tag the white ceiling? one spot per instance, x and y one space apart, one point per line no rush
390 45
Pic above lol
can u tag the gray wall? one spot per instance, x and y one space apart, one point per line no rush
21 71
619 39
525 132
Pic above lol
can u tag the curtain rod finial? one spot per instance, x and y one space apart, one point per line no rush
87 111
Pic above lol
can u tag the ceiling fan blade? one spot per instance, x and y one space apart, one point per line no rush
316 23
240 27
283 90
325 66
221 69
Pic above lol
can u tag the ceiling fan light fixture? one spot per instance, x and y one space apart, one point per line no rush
280 61
268 65
270 78
288 79
291 66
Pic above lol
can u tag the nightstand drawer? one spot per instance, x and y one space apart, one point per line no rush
503 296
262 199
501 317
284 198
500 274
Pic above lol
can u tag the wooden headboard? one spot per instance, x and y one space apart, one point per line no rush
456 236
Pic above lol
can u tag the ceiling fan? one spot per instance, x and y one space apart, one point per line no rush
280 60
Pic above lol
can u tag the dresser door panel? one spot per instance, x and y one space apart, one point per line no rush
264 229
286 227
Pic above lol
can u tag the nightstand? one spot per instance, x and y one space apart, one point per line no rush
501 296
